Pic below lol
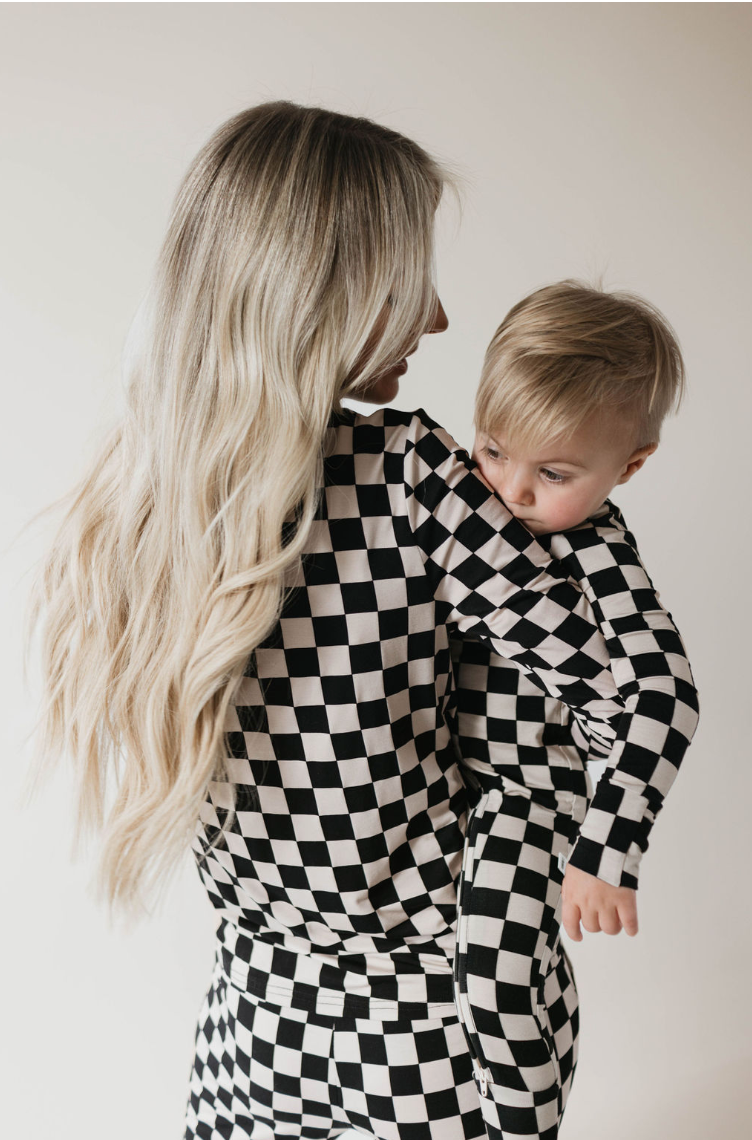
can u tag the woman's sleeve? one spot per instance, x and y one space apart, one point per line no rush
654 679
595 739
490 577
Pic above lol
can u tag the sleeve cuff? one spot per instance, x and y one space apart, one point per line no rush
614 835
618 868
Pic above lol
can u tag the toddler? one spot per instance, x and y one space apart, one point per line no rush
575 385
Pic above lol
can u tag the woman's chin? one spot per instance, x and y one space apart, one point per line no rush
389 389
382 391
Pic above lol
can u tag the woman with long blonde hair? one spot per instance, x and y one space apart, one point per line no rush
245 620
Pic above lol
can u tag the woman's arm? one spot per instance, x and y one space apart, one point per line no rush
489 575
505 717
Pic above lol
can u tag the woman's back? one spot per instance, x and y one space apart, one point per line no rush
348 866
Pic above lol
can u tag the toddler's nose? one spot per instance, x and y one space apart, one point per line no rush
517 493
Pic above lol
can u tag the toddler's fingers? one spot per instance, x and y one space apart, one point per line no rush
570 920
590 918
628 916
610 919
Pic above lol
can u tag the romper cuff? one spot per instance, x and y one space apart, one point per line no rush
613 836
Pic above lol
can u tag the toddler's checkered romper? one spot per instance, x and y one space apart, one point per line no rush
514 982
332 1000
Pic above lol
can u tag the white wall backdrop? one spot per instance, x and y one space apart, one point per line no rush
595 138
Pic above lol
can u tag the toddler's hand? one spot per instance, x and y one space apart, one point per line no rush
596 904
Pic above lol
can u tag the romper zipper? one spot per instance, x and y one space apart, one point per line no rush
463 1009
480 1076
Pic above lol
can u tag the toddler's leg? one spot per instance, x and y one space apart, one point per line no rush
514 983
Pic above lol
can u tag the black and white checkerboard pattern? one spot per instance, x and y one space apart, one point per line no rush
527 753
505 721
261 1072
514 983
654 680
336 881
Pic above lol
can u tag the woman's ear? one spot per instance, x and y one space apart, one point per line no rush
635 462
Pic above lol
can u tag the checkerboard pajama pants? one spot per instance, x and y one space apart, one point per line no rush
514 982
261 1072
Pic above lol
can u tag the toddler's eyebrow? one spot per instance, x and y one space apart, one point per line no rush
544 462
564 462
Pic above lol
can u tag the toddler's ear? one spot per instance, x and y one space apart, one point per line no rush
635 462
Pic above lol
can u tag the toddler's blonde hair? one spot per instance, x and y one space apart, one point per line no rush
569 350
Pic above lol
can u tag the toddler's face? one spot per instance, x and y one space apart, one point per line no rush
558 485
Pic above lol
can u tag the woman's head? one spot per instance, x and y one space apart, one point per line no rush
297 268
299 238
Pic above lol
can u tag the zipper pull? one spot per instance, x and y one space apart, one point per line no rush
480 1076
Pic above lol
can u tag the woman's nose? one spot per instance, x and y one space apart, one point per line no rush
441 320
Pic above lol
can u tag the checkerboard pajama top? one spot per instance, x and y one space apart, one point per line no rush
510 731
336 881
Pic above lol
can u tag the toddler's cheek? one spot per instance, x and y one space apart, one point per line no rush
489 473
568 513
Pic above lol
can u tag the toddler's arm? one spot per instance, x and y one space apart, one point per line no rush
654 680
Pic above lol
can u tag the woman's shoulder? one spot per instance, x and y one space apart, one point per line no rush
393 430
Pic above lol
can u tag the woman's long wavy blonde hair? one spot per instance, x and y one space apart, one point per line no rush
298 266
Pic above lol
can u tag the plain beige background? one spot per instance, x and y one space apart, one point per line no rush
595 138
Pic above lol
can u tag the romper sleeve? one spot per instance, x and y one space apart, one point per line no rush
490 577
654 680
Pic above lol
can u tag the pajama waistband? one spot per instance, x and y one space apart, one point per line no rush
286 978
572 799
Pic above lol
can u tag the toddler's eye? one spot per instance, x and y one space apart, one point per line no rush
491 452
552 476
